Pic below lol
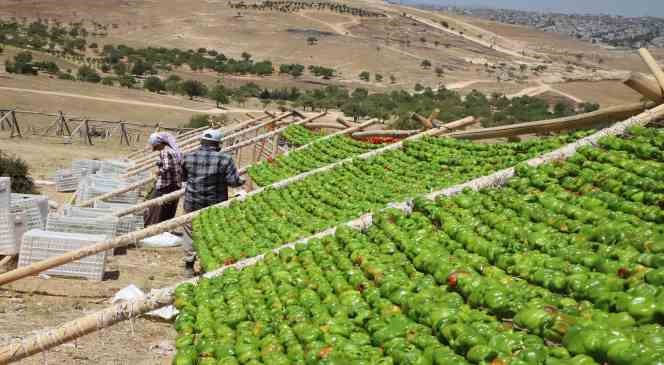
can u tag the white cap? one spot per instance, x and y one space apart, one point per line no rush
213 135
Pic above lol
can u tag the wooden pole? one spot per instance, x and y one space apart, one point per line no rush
65 125
16 129
88 138
555 125
646 87
123 134
653 66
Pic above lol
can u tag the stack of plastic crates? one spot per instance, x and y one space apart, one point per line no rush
114 167
66 181
27 216
106 225
94 185
40 200
89 166
7 241
38 245
137 219
126 224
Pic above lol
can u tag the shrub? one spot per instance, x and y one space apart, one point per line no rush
198 121
18 171
88 74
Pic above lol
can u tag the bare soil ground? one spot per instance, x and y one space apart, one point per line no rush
35 303
606 93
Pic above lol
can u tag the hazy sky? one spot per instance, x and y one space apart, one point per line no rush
619 7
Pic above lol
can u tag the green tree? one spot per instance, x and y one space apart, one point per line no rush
419 87
108 81
393 79
153 84
219 94
120 69
365 76
378 78
426 64
88 74
194 88
140 67
440 71
312 40
172 83
246 56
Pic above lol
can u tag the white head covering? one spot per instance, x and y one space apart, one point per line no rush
213 135
167 139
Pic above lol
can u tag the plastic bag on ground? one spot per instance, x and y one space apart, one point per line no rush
132 292
163 240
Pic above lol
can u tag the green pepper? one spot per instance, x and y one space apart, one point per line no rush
481 353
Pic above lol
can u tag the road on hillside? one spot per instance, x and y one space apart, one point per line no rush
131 102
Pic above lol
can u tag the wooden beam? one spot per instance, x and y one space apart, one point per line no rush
344 122
646 87
653 66
556 125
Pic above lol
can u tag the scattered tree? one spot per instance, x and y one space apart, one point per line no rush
193 88
88 74
219 94
426 64
378 78
365 76
312 40
153 84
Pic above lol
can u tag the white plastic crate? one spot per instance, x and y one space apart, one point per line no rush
91 166
8 244
115 167
40 200
106 226
66 180
94 185
38 245
126 224
27 213
5 192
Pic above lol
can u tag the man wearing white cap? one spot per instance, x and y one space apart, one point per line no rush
208 173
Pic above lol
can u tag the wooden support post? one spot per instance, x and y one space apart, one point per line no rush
646 87
4 119
86 131
124 138
653 66
65 125
16 129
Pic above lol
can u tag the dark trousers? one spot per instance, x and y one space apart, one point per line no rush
160 213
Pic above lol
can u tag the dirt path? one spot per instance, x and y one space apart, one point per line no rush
131 102
339 28
544 88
